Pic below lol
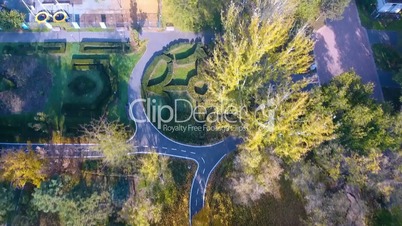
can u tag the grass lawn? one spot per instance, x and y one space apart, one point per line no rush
125 65
159 69
182 48
366 8
181 71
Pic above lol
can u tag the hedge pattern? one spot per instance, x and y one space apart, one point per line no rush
194 54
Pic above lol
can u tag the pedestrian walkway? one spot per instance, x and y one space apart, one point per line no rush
61 35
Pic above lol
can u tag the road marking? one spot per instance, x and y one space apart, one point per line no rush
198 190
164 148
196 202
174 149
202 159
183 151
192 153
153 147
145 146
203 171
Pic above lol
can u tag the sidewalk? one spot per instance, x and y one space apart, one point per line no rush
61 35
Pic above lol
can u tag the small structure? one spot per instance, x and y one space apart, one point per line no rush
389 6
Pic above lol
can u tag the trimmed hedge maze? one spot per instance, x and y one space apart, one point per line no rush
172 76
175 71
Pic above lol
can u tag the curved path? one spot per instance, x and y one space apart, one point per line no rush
148 138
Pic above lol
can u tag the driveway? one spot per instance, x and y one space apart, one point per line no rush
343 45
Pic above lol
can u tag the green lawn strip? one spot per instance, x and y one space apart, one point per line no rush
181 48
181 71
159 69
125 65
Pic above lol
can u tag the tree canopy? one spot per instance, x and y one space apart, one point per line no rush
110 139
193 15
22 167
362 124
54 197
11 20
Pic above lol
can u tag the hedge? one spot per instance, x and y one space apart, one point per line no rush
54 47
151 67
187 53
104 47
31 48
174 88
198 54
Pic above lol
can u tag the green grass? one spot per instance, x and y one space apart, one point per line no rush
181 48
365 8
386 57
181 71
125 64
159 69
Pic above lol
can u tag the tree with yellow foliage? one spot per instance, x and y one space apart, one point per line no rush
22 167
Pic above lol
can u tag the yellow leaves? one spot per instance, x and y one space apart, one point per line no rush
150 168
23 167
296 58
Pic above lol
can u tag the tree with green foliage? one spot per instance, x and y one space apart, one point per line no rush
139 210
155 190
11 20
110 139
53 197
363 124
333 9
311 10
22 167
6 203
194 15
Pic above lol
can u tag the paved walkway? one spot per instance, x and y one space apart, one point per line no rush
61 35
343 45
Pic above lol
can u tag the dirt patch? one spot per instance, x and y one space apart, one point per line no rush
32 80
